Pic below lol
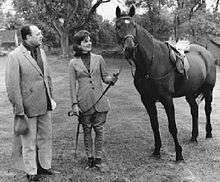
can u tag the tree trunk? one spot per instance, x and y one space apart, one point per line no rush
64 41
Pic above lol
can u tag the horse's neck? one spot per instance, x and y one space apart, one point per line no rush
152 56
144 51
145 41
142 61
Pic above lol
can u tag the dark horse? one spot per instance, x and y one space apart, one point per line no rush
156 77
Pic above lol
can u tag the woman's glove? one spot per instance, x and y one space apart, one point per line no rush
114 78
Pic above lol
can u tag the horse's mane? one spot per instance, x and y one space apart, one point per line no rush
145 40
146 33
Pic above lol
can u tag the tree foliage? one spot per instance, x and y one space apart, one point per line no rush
155 18
1 14
61 18
54 14
195 21
106 34
1 2
179 17
12 22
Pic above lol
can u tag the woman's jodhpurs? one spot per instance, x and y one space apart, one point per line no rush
96 121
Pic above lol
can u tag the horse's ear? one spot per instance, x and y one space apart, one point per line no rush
132 11
118 12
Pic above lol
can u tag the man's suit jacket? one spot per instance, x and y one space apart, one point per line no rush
89 88
29 90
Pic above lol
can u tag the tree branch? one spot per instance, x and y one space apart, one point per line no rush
216 6
57 27
50 10
71 11
56 24
195 8
91 12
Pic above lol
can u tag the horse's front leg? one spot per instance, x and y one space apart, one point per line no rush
152 112
169 108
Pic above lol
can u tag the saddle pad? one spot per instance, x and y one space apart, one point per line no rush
183 46
182 63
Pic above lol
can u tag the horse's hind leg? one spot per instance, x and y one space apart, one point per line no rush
152 112
208 110
169 108
194 113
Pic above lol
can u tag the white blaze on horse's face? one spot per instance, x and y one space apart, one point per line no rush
127 21
126 32
125 29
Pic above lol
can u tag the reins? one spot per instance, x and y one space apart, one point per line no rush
148 74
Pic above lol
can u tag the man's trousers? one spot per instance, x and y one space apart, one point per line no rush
39 139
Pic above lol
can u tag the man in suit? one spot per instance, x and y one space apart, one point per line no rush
29 88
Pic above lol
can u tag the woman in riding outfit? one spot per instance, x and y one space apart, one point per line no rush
89 71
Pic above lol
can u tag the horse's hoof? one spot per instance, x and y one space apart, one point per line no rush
156 155
193 140
209 135
179 159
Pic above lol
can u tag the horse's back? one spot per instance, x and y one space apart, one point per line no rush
201 71
208 60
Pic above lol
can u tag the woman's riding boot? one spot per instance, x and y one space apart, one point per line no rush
102 167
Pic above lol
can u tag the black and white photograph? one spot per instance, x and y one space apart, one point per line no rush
109 90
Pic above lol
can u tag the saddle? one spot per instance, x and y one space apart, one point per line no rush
178 57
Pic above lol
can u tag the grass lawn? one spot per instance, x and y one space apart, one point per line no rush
128 138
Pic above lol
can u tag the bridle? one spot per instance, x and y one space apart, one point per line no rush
134 47
147 75
129 36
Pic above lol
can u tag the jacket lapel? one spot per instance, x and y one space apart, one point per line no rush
92 63
30 59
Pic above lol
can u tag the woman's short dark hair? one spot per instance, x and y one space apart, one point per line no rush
80 36
25 30
77 39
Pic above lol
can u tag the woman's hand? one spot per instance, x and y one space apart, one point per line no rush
114 78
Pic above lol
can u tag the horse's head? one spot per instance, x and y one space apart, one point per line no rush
126 31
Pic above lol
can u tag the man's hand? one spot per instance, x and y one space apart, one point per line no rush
76 109
21 125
